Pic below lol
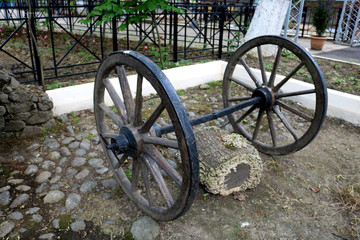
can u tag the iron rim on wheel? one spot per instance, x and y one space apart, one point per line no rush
162 188
279 125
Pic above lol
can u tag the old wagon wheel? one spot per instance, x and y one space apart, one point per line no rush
279 125
160 175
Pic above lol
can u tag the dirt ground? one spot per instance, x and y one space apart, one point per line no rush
301 196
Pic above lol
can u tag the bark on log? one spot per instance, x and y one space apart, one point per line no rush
228 162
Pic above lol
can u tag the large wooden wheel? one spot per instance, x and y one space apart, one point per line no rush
279 124
160 175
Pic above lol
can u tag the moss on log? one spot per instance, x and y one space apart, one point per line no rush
228 162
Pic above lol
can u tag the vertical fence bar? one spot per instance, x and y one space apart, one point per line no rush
175 43
221 29
33 32
206 15
52 36
114 34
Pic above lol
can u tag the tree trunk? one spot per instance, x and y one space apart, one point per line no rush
268 20
228 162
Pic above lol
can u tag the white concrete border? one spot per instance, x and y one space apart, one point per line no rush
341 105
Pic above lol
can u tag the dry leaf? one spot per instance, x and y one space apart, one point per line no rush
315 190
240 197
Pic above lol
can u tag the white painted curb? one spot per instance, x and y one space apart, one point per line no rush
341 105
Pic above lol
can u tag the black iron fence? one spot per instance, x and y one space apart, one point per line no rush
49 36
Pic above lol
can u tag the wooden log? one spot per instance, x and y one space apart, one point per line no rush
228 162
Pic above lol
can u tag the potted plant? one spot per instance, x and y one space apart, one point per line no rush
320 21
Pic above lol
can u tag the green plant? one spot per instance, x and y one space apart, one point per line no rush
321 17
55 85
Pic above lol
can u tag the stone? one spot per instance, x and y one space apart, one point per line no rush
32 210
93 154
47 165
55 155
55 179
204 86
6 188
14 125
5 198
42 188
56 223
83 174
37 217
45 103
6 227
49 124
2 110
23 188
32 131
22 230
43 177
55 187
40 117
72 201
31 170
19 95
96 162
74 145
37 160
47 236
109 183
87 186
102 170
70 173
58 170
63 161
21 116
33 147
19 158
64 151
63 117
67 140
16 216
19 200
54 196
15 181
80 152
78 226
4 98
15 108
78 162
70 130
145 228
85 144
51 144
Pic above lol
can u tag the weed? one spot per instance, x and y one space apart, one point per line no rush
91 135
337 65
205 195
268 67
180 92
215 83
55 85
349 196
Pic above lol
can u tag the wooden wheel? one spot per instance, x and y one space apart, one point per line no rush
280 124
160 175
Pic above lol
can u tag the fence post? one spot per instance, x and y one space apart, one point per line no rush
175 43
39 72
206 15
114 34
221 30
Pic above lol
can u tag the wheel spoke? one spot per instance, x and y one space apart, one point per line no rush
116 99
151 120
111 114
262 66
145 178
282 95
270 117
163 163
135 175
258 124
285 122
126 91
238 81
275 66
293 110
236 99
280 84
138 101
246 114
161 141
156 174
251 74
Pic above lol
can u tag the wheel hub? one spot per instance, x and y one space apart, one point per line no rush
125 142
266 95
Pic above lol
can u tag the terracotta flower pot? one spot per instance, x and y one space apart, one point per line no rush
317 43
